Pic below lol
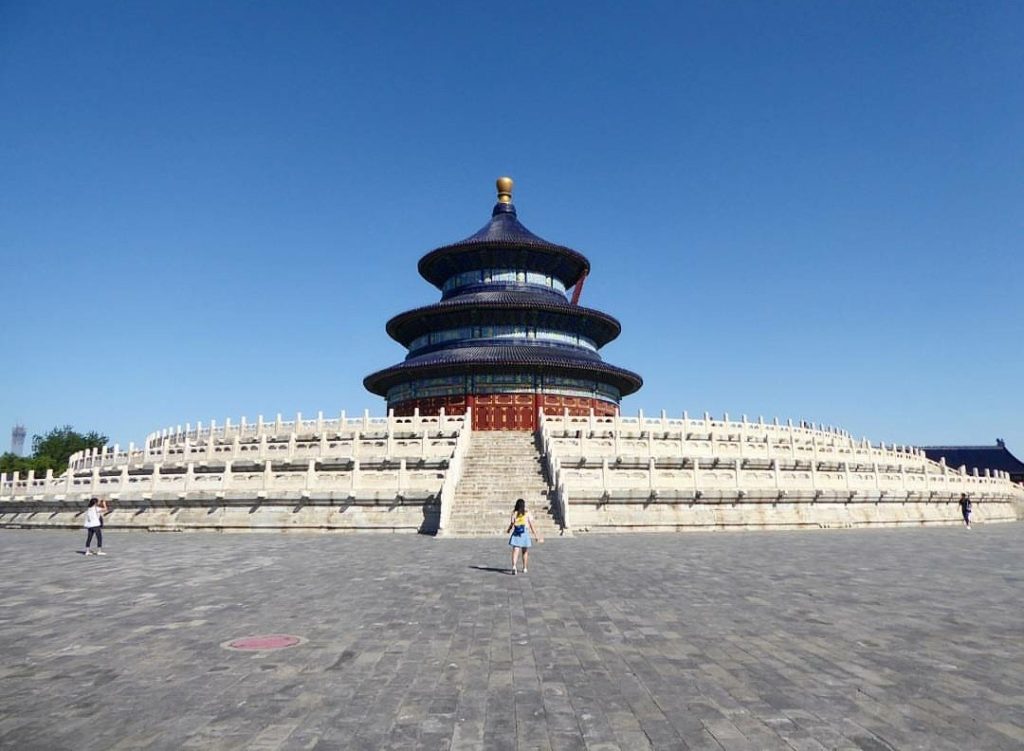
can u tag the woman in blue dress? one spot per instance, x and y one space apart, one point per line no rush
521 525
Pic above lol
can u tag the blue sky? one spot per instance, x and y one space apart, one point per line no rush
809 210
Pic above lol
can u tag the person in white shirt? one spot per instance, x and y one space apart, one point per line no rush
94 525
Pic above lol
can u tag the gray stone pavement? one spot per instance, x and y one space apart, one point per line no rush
865 639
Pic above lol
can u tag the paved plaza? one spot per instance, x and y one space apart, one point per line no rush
865 639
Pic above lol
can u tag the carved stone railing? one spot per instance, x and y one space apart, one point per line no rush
454 473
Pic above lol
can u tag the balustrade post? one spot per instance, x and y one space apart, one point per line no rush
268 474
311 474
227 481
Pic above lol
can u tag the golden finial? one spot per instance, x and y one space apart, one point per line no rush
504 189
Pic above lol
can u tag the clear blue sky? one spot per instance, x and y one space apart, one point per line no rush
804 209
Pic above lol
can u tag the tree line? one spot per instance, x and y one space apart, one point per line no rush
52 451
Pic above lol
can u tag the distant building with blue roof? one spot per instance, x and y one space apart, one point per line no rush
982 457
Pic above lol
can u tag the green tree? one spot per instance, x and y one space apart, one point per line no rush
52 450
22 464
11 462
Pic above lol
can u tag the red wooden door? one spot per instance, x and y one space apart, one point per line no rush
504 412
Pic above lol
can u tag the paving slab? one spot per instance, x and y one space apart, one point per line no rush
866 640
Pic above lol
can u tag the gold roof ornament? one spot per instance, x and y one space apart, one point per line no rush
504 189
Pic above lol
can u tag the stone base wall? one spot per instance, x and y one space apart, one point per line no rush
317 513
643 514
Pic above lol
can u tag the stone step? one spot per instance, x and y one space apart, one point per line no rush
514 489
497 469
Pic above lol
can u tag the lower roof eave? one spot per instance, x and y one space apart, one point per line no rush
625 381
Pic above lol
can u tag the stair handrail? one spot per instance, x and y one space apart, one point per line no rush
554 471
454 473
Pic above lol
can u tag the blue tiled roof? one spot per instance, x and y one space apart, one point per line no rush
484 358
504 244
503 237
982 457
459 310
505 227
486 293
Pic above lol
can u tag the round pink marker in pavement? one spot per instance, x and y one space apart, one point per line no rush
263 642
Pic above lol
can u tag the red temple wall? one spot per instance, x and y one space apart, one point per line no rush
506 411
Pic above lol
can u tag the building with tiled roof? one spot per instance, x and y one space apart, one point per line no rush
505 339
996 457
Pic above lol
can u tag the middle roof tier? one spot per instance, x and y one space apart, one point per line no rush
504 307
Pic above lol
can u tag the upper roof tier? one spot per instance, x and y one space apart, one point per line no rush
504 243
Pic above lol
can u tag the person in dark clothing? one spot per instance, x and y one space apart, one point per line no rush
965 509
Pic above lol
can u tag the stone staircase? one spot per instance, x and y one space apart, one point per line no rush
499 467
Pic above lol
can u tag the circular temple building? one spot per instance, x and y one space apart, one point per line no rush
505 339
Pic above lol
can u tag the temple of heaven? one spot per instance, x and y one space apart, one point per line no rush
505 339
